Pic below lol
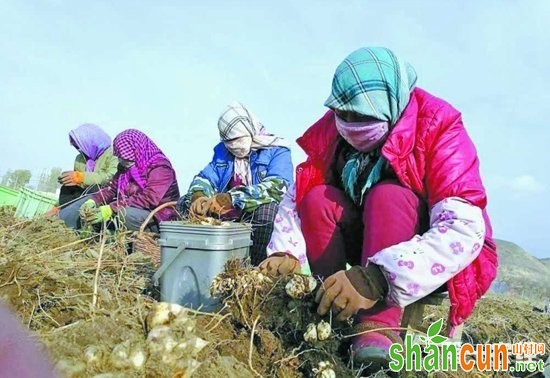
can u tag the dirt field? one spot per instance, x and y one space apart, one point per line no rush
106 322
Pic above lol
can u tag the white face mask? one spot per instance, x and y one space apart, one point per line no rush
125 163
239 147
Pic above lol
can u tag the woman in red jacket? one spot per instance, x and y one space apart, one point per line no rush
392 187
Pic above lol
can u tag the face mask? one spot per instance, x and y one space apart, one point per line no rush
363 136
239 147
125 163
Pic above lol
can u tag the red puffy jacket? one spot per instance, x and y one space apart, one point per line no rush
431 154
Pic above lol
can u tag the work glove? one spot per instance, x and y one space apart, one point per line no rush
88 204
279 264
347 292
52 212
200 206
87 208
184 203
99 215
71 178
221 204
196 195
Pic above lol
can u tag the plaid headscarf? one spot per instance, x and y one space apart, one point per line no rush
135 146
374 82
236 122
91 141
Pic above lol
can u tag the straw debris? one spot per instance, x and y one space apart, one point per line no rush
48 273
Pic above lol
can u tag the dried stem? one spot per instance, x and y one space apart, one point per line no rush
196 312
96 278
44 311
293 356
17 224
251 345
65 327
32 314
242 309
218 323
217 313
266 297
66 245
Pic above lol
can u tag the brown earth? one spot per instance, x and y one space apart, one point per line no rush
47 276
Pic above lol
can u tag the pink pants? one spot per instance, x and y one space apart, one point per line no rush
338 232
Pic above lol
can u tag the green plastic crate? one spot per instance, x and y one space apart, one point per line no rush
8 196
32 203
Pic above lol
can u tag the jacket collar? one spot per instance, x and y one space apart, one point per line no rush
401 140
319 137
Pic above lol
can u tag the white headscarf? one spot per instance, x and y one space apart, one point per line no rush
237 122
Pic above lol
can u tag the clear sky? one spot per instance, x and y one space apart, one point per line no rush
170 67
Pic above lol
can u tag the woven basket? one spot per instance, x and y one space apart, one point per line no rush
146 242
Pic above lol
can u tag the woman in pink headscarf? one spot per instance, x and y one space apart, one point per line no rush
144 181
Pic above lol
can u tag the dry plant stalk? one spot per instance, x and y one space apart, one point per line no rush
250 348
48 276
96 277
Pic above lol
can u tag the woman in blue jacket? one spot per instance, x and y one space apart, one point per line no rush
246 179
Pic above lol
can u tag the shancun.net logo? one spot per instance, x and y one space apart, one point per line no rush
436 353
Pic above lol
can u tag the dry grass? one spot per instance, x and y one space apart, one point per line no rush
47 275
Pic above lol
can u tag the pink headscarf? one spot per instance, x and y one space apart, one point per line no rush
135 146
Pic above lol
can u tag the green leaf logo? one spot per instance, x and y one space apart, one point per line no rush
435 328
438 339
433 332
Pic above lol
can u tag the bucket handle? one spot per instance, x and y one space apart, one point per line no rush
152 214
165 266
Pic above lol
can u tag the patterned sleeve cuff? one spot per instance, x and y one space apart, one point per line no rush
249 197
418 267
200 184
